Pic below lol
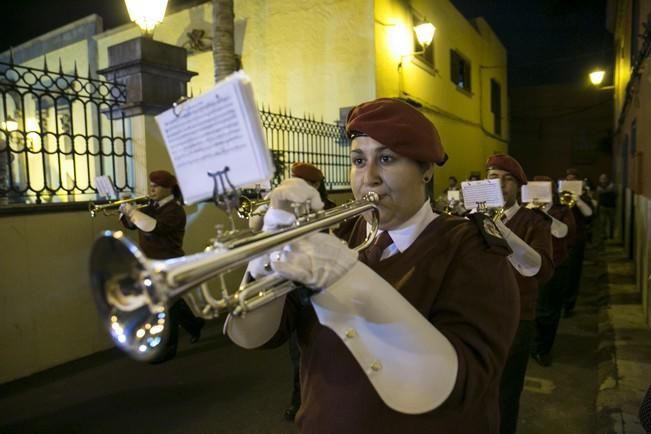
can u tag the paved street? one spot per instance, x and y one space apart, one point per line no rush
214 387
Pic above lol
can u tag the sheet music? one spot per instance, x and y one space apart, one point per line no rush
537 191
221 128
105 187
454 195
485 190
573 186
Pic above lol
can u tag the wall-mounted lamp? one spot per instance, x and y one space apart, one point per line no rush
597 77
425 34
146 13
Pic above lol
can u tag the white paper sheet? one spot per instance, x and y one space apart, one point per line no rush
537 191
573 186
488 191
454 195
105 187
219 129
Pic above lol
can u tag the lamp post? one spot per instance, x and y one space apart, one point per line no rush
147 13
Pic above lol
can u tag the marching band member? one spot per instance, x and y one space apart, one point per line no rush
410 337
161 228
582 216
551 296
528 234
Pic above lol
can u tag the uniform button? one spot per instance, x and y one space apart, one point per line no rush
376 366
350 333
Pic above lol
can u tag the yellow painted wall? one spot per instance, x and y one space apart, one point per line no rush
464 119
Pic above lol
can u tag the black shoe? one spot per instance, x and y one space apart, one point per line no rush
290 412
196 335
544 360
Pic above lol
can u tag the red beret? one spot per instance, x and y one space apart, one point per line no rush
508 164
399 127
307 171
163 178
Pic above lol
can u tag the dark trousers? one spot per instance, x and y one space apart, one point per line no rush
295 356
577 253
512 380
180 315
549 308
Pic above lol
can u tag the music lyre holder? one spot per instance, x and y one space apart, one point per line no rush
224 194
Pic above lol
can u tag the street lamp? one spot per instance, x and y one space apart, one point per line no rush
425 34
146 13
597 77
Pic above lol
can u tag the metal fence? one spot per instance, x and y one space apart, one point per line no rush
293 139
58 131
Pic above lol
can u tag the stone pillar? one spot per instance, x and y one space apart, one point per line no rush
155 75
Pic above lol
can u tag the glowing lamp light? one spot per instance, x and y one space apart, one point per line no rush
597 77
425 33
146 13
10 124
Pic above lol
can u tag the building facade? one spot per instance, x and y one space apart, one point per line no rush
629 21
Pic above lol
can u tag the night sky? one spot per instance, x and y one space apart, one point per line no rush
548 41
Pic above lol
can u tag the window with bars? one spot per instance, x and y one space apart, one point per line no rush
460 71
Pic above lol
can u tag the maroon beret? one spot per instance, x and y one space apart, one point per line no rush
398 126
163 178
508 164
307 171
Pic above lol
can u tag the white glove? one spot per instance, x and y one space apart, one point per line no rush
558 228
316 261
142 221
294 190
583 207
524 258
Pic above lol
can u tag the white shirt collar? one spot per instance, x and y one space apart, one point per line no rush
406 233
165 200
510 212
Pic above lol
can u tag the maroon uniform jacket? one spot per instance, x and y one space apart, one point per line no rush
533 227
561 246
166 240
462 286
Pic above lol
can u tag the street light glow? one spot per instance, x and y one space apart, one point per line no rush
425 33
146 13
597 77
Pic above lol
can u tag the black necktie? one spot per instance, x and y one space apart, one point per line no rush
371 256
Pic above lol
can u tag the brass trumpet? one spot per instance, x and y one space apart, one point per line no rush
567 198
112 208
247 208
133 293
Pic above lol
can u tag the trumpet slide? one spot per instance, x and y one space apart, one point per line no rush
133 293
112 208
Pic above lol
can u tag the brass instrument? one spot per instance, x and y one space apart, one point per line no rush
247 208
133 293
567 198
112 208
493 213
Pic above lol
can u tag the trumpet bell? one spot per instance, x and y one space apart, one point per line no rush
123 291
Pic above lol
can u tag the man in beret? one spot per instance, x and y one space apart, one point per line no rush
528 233
161 228
552 293
411 335
582 211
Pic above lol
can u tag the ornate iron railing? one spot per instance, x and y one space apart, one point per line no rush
306 139
58 131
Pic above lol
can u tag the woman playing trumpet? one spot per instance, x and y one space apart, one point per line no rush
412 335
